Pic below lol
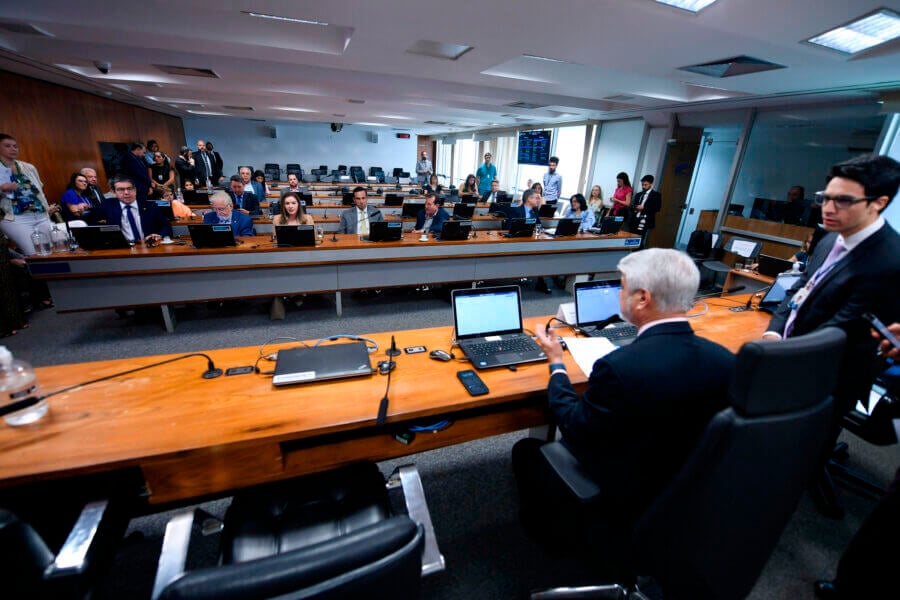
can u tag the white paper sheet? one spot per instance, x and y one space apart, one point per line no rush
586 351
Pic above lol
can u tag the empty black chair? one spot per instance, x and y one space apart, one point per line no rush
711 531
342 169
357 174
734 249
293 168
272 172
377 173
397 171
328 535
323 168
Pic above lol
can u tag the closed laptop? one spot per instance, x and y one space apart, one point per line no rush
333 361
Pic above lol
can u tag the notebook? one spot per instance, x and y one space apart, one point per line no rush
463 211
520 227
334 361
565 227
772 266
609 226
385 231
776 293
488 326
100 237
295 235
596 303
455 230
211 236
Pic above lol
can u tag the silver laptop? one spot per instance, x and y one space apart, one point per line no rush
597 312
333 361
488 325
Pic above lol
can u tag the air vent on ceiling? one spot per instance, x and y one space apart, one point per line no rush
187 71
729 67
526 105
619 98
187 104
435 123
355 101
237 107
22 29
257 120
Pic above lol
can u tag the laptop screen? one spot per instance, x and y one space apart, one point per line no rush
776 293
596 301
479 312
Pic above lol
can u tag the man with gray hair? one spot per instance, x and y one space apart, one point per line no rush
644 409
223 213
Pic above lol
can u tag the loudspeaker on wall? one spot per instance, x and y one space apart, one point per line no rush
373 137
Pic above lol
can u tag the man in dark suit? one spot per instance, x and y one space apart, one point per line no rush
223 213
531 202
218 164
491 196
431 217
134 167
96 197
243 199
132 214
644 409
646 204
357 219
250 184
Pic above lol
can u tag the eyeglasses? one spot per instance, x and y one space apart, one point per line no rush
841 202
128 190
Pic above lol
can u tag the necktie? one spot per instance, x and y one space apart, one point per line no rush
135 232
208 165
837 252
363 223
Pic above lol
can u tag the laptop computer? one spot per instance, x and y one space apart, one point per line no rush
500 209
488 326
455 230
211 236
777 292
385 231
609 226
469 198
333 361
772 266
100 237
596 306
565 227
463 211
295 235
165 207
547 211
194 197
520 227
411 209
393 200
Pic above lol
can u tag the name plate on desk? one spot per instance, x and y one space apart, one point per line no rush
632 242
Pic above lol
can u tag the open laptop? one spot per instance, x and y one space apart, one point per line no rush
463 211
194 197
411 209
385 231
500 209
469 198
100 237
295 235
565 228
772 266
777 292
547 211
488 326
596 305
455 230
211 236
393 200
609 226
520 227
333 361
165 207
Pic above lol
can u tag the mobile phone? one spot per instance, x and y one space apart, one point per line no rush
414 349
472 382
238 370
880 328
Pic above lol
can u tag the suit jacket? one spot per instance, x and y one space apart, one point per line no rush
249 202
136 169
348 218
866 280
652 205
644 409
487 196
186 171
218 166
152 219
202 172
520 212
258 190
241 224
436 223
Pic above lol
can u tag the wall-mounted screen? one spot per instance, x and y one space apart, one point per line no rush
534 147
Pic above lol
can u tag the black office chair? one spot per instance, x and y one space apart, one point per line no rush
377 173
323 168
711 531
293 168
330 535
342 169
734 249
272 172
357 174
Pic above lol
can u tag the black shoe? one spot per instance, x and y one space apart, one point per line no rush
826 589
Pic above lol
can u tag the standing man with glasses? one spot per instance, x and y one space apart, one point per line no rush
140 220
424 168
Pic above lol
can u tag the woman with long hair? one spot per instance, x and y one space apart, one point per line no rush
469 187
292 212
621 198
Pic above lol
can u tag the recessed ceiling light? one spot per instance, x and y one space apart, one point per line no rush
371 124
207 112
866 32
281 18
394 117
438 49
355 101
546 58
293 109
693 6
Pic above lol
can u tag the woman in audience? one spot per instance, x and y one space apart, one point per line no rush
74 202
433 185
179 209
152 148
595 202
292 212
186 167
260 177
578 209
621 198
469 186
161 174
23 207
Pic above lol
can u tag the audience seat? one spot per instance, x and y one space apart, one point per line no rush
357 174
377 173
272 172
711 531
328 535
734 249
293 168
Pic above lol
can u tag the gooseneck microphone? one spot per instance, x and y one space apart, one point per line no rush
392 351
731 290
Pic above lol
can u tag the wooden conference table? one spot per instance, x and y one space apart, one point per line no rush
168 275
194 438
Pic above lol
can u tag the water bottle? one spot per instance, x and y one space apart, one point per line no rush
41 242
59 238
18 382
178 195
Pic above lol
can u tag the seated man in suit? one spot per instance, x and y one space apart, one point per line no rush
644 408
243 199
252 185
357 219
529 209
140 220
223 213
491 196
293 185
432 217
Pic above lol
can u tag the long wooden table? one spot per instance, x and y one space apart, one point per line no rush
192 437
167 275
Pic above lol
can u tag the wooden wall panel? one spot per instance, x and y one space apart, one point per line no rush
58 128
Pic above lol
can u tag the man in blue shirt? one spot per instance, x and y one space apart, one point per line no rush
552 182
223 213
485 174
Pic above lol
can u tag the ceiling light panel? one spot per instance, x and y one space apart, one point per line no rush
693 6
862 34
441 50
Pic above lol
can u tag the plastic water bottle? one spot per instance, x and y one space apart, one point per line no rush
18 382
41 242
58 238
178 195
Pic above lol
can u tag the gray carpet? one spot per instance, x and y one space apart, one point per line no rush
470 487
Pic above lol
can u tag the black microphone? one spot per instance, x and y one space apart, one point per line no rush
392 351
758 294
730 290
